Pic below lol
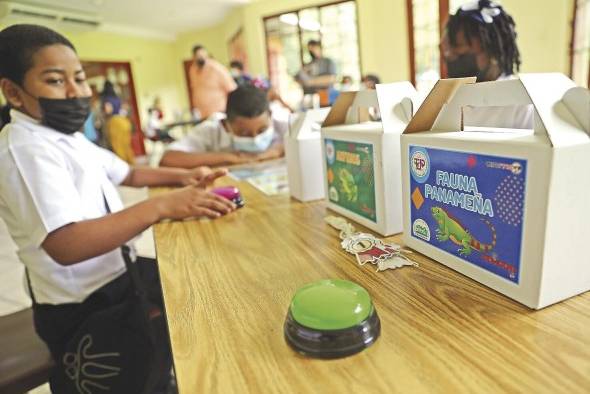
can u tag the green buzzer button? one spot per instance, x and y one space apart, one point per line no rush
331 318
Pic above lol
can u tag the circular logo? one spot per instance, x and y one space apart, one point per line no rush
421 229
516 168
419 164
330 152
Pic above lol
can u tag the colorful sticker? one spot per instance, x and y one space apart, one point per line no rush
469 205
350 176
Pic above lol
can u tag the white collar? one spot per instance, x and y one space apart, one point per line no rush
32 124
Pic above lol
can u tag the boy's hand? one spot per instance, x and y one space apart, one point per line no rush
202 177
191 201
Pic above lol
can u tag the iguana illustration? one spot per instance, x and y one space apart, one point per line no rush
348 186
450 229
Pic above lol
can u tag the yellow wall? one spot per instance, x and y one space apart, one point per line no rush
544 33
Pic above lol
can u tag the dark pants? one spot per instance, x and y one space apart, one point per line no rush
56 324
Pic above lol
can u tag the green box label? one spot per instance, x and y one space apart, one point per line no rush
351 177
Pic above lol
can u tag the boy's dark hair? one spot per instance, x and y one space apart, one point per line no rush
237 64
314 43
246 101
18 44
196 48
497 37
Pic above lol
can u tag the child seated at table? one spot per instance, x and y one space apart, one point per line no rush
59 200
245 133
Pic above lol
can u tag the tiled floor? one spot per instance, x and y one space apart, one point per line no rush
12 284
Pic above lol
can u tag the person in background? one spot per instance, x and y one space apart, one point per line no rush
59 200
245 133
210 83
240 76
480 41
319 75
110 101
278 106
346 84
369 81
155 126
118 129
92 124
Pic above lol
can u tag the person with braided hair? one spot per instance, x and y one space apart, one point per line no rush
480 41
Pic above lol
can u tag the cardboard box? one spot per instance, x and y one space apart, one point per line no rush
303 150
362 157
508 208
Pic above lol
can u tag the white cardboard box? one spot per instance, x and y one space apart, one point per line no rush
361 162
507 208
303 150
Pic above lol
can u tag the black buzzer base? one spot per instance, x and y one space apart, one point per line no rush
332 343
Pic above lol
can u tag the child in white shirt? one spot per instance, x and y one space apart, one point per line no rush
57 189
245 133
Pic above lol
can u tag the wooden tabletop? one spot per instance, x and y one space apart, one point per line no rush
228 283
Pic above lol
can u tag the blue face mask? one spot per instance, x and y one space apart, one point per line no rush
257 144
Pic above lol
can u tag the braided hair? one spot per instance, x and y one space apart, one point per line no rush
495 29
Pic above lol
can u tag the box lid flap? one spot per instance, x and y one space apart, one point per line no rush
562 107
442 92
557 108
394 102
397 102
307 123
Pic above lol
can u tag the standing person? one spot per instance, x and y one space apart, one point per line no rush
480 41
210 83
59 200
319 75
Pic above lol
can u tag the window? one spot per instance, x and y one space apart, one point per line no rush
335 25
580 45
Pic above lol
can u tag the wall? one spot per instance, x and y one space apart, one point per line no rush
544 33
155 67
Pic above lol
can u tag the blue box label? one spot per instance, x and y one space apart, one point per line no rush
469 205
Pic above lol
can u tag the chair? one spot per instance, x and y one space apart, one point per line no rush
25 361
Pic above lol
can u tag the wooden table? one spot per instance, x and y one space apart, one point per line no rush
228 283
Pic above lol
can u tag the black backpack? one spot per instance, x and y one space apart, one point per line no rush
121 348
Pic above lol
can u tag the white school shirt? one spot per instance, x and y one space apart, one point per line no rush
47 180
211 136
517 116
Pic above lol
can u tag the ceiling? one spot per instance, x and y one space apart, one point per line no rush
164 18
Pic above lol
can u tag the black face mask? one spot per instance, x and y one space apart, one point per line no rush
464 66
65 115
200 62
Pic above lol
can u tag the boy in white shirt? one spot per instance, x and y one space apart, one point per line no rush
245 133
57 189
